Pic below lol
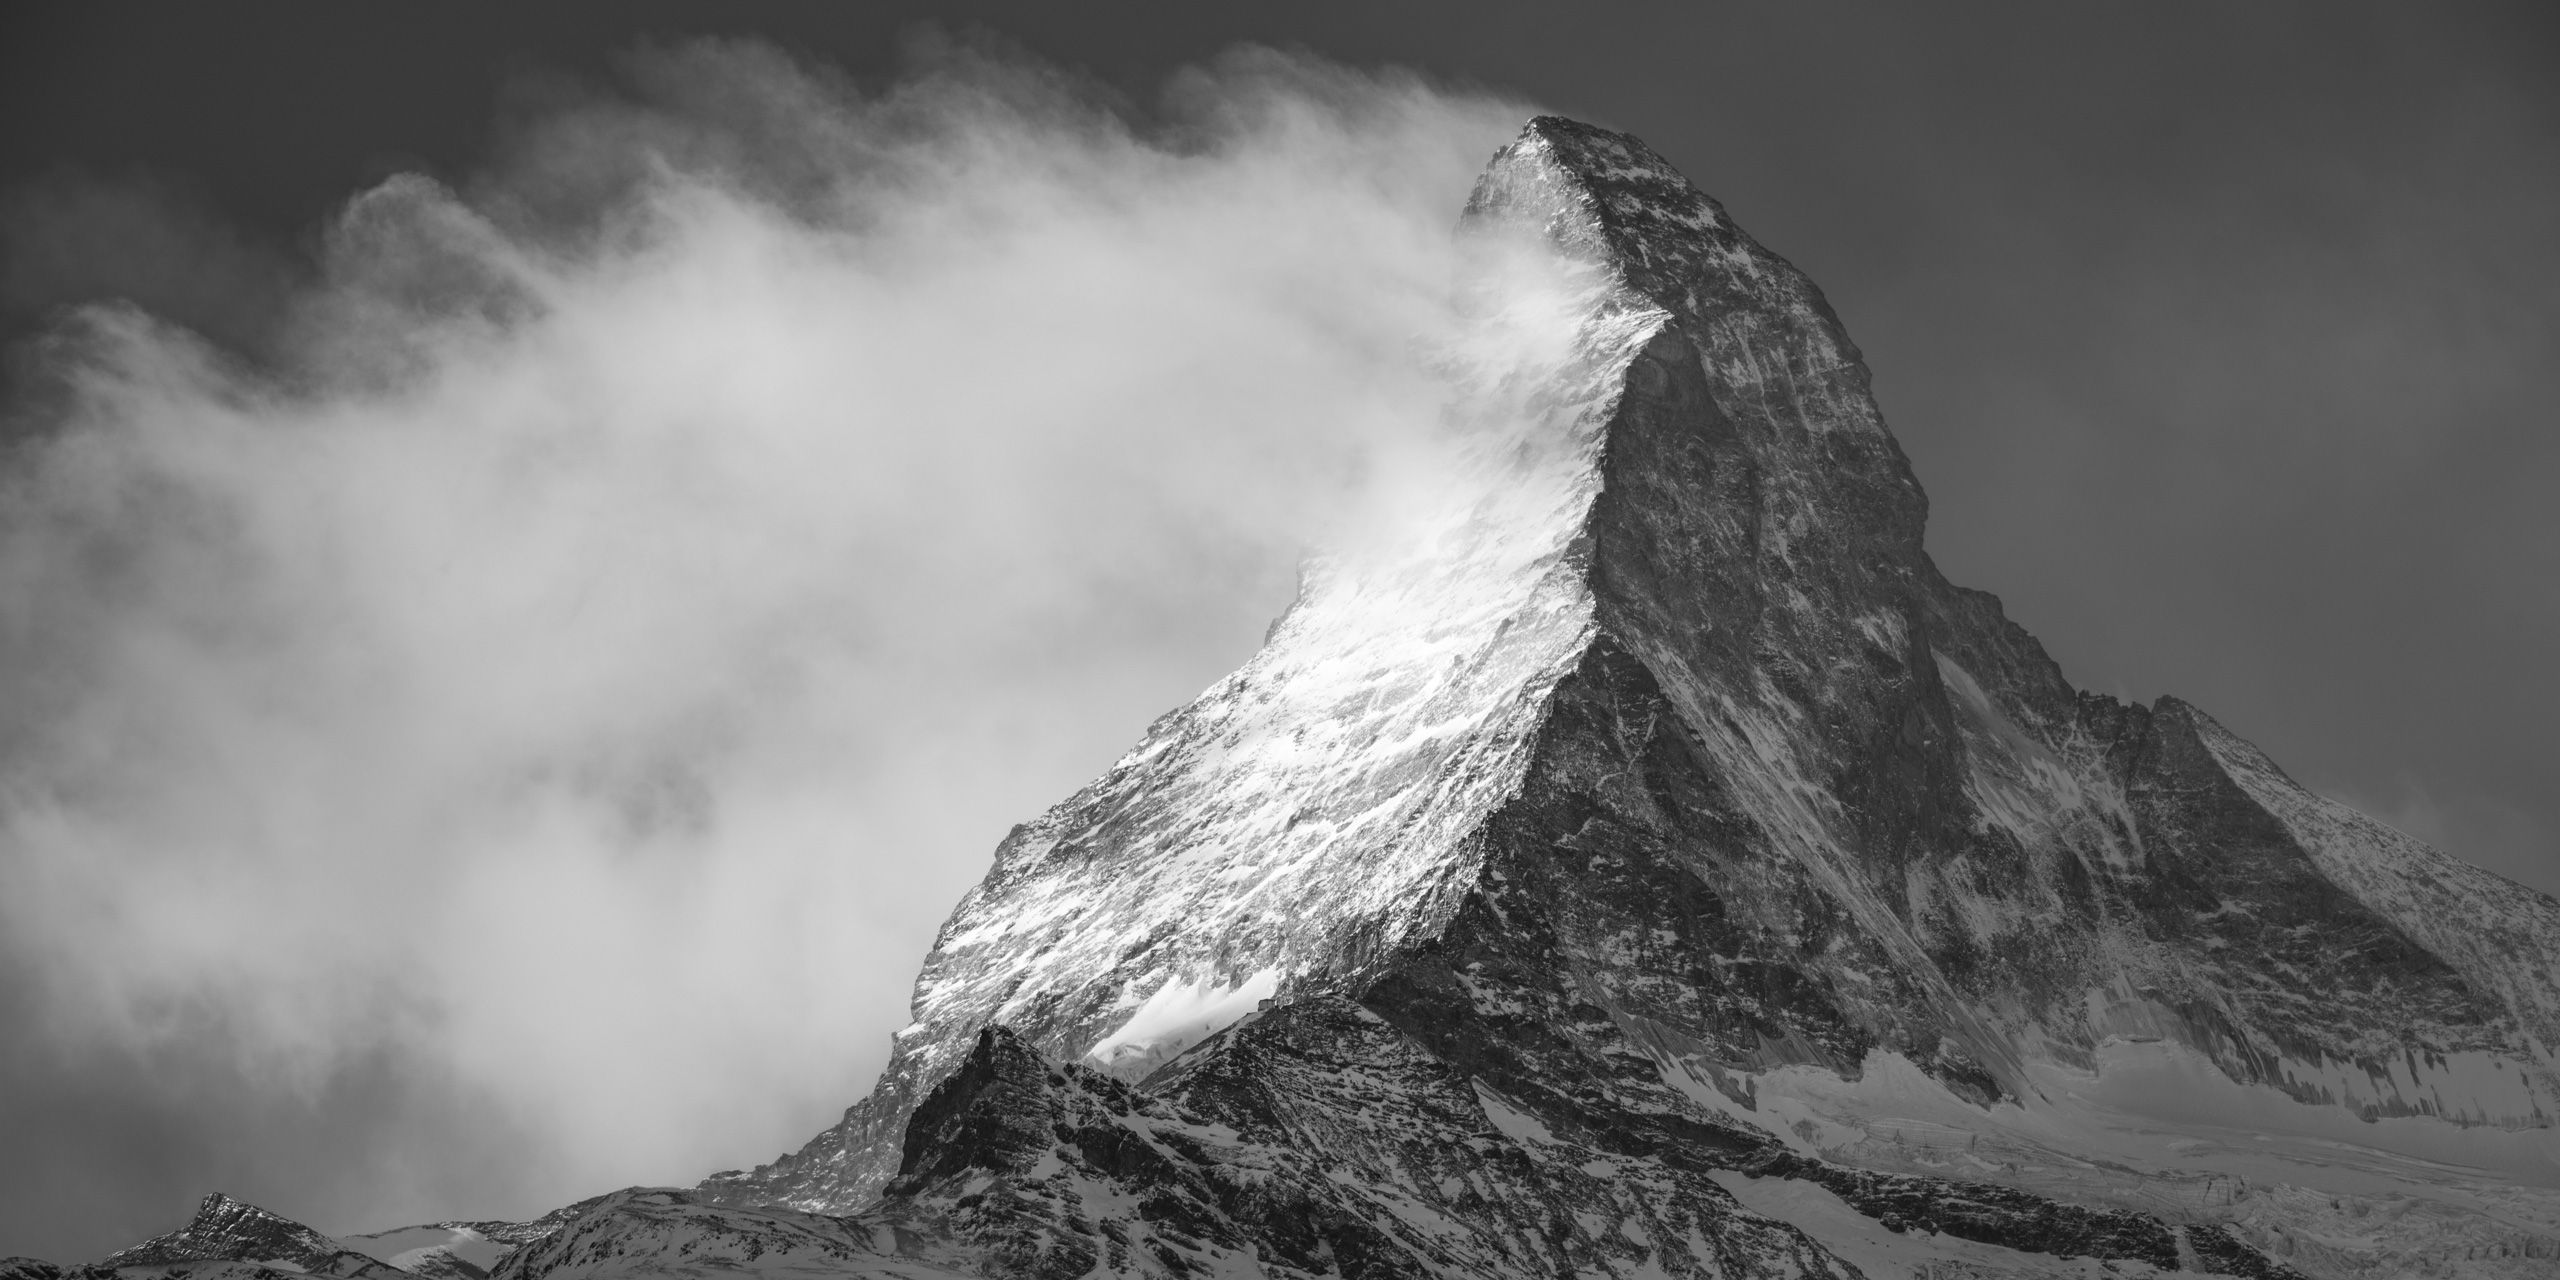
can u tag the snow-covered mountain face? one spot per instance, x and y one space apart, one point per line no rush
1320 810
1668 777
1644 863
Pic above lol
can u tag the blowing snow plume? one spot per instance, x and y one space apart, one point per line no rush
550 698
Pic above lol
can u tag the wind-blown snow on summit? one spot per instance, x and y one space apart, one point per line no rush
1667 777
1315 811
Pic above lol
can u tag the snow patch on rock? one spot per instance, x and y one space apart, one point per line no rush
1180 1014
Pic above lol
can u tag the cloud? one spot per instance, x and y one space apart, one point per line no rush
568 672
73 239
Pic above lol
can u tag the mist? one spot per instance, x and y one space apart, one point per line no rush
510 729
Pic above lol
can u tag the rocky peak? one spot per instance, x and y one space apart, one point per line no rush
228 1238
229 1230
1665 802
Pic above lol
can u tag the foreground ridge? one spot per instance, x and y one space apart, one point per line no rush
1313 1140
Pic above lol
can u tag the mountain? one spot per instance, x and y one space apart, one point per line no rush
1673 800
1648 865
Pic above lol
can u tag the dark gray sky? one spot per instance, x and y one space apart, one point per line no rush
2225 339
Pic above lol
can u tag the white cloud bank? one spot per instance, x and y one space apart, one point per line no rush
588 660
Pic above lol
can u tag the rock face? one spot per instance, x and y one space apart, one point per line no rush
1668 802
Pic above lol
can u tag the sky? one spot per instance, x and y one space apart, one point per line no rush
547 543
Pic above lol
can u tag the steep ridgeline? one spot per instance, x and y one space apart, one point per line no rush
1664 804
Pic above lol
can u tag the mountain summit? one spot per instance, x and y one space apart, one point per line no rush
1654 867
1675 791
